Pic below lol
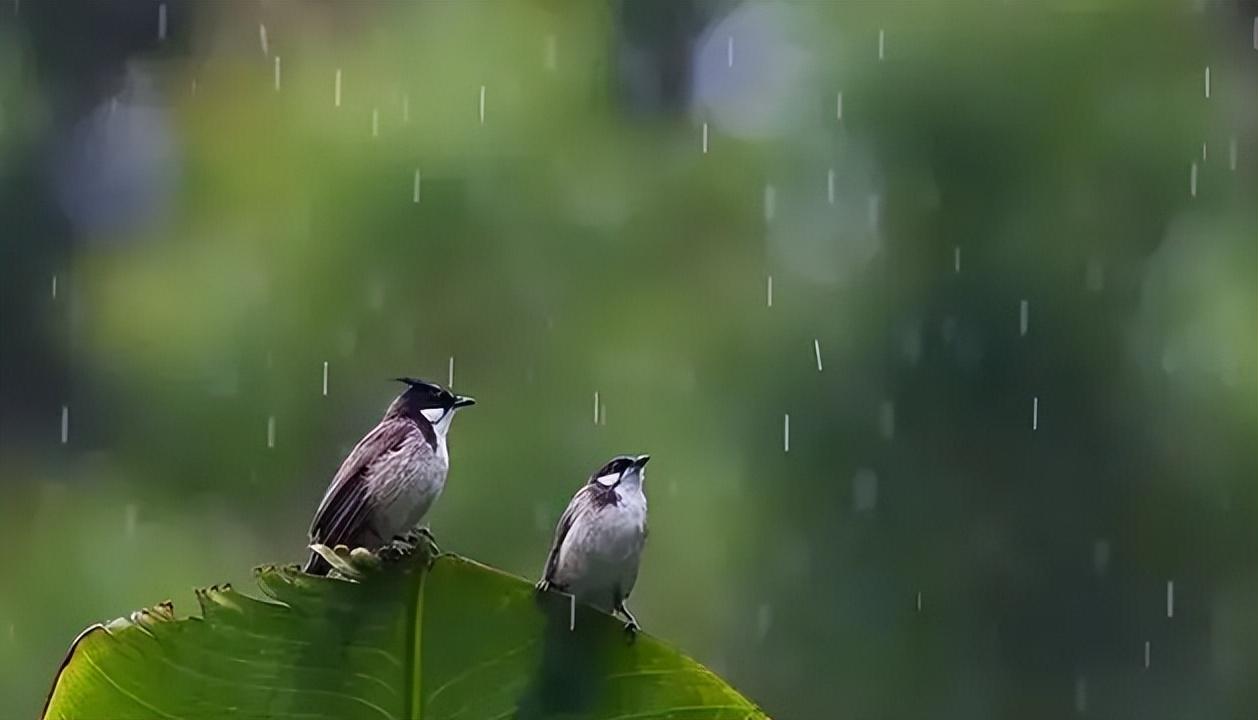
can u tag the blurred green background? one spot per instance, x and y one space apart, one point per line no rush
1013 321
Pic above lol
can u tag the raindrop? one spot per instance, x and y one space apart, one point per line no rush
769 292
270 431
886 420
161 22
482 104
830 186
1024 309
65 424
1170 598
882 44
415 188
1203 152
816 346
1231 155
572 613
54 286
786 433
729 51
325 378
705 138
1207 82
375 122
595 407
1035 414
1192 180
838 107
764 621
1081 695
956 259
277 73
1100 556
336 94
770 202
130 515
450 373
552 53
865 490
1146 654
1094 278
919 600
266 50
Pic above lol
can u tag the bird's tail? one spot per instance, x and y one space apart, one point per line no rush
316 565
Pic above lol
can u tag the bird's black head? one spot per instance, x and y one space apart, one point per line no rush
621 467
421 395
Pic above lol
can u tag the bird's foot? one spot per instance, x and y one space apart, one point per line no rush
542 585
631 631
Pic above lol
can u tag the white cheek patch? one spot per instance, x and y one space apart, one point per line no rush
432 414
609 479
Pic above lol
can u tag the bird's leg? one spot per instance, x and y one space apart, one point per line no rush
632 628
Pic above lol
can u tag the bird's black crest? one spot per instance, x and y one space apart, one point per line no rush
615 466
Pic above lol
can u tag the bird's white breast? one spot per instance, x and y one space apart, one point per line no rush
406 486
599 557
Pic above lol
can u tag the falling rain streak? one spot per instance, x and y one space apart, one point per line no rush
482 104
270 431
1081 695
595 407
336 93
786 433
551 56
838 107
1203 152
956 259
769 292
277 73
1192 180
816 346
375 122
1207 82
729 52
1024 310
450 373
705 138
1170 598
266 50
415 188
161 22
1231 155
65 424
1146 653
54 287
919 601
1035 414
830 186
882 44
325 378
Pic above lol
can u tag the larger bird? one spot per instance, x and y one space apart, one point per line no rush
392 477
598 543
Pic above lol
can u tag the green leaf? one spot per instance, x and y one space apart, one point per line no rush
454 641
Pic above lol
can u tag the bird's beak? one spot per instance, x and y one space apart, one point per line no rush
641 461
463 401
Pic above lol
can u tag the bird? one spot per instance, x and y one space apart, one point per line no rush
392 476
599 539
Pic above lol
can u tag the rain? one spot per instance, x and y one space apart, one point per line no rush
196 229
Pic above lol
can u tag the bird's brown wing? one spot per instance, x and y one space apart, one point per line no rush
343 511
582 502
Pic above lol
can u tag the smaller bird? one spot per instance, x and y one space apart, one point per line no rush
392 477
599 540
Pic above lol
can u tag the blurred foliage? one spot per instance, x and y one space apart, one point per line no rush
216 241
